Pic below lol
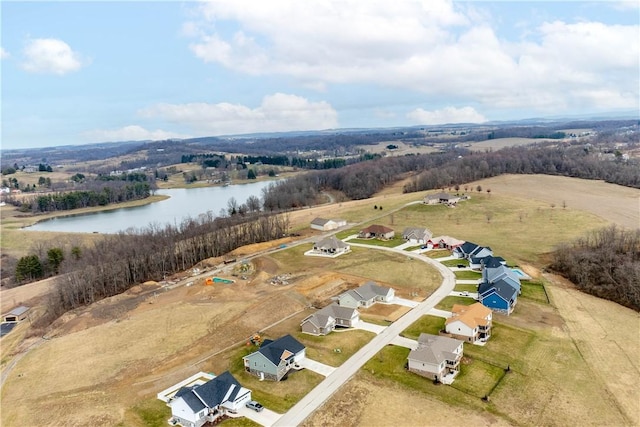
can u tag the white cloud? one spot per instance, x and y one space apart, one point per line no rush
130 133
51 56
4 54
446 115
278 112
444 49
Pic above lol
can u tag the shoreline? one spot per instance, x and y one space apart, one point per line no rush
27 220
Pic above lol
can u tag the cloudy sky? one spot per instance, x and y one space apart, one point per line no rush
79 72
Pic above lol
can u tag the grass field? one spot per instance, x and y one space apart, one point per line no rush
426 324
467 288
467 275
323 348
391 243
449 301
455 262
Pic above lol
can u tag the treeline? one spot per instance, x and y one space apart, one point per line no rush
606 263
442 170
574 161
115 192
121 261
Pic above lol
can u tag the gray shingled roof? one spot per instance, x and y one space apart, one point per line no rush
331 242
273 350
319 221
435 349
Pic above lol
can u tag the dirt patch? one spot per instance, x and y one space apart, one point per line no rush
389 312
367 402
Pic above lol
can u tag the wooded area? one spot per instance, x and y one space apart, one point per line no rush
606 263
121 261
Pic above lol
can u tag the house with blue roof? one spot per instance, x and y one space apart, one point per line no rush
194 406
502 272
274 359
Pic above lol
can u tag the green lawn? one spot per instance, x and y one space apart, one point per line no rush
151 412
534 290
467 275
455 262
346 233
391 243
468 288
323 348
427 324
412 248
477 378
448 302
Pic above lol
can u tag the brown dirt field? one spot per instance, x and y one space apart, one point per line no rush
363 402
614 203
389 312
607 336
496 144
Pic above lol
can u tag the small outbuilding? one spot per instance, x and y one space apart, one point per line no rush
18 314
323 224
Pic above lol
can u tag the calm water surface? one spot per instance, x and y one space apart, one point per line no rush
182 203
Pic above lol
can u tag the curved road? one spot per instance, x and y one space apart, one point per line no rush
316 397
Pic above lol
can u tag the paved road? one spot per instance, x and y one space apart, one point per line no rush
316 397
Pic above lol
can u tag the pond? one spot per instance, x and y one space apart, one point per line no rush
182 203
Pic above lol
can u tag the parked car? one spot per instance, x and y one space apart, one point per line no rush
254 405
461 266
465 293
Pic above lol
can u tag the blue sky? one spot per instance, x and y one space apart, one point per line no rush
81 72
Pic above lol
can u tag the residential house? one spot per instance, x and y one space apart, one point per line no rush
197 405
441 198
274 359
376 232
366 295
485 261
416 235
331 246
18 314
327 319
501 272
437 357
499 296
327 224
444 242
471 323
469 250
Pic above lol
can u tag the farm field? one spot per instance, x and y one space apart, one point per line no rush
498 143
104 364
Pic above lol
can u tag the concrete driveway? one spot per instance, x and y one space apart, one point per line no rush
371 327
266 417
468 281
404 302
405 342
317 367
440 313
473 295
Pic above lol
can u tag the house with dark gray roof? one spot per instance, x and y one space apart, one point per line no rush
366 295
326 320
197 405
417 235
436 357
274 359
499 296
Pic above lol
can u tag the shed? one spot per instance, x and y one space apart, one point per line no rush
18 314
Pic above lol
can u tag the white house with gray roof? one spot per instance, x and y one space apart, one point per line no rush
437 357
366 295
330 246
200 404
417 235
326 320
